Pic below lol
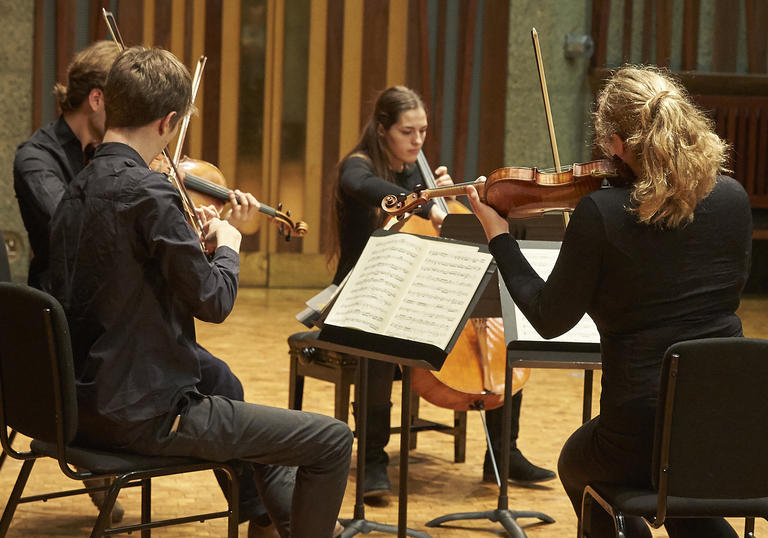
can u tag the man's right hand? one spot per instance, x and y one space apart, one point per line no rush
220 233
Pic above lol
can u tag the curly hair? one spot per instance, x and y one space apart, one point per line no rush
87 71
677 151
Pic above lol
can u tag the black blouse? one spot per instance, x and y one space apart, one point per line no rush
361 194
43 167
644 287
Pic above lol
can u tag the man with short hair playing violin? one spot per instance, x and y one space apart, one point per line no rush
131 275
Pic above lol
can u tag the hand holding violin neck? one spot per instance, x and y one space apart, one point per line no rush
398 204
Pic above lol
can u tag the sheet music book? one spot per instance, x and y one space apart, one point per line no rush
409 296
542 256
313 313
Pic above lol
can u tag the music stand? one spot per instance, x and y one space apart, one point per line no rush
358 524
466 227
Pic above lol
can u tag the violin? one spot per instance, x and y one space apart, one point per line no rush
518 192
207 180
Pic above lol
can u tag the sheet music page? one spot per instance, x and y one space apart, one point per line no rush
543 261
439 293
412 288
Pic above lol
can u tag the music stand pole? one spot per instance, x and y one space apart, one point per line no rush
359 524
502 514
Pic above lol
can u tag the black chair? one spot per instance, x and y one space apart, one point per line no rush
5 276
37 399
709 449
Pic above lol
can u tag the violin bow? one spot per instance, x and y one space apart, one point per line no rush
196 79
547 108
189 206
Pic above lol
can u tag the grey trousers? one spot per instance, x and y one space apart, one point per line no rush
273 441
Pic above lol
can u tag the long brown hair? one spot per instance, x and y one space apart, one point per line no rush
673 142
390 104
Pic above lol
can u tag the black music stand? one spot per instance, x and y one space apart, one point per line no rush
358 524
468 228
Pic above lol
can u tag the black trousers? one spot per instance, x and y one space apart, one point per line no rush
276 443
595 453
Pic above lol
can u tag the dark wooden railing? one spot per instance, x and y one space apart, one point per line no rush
732 89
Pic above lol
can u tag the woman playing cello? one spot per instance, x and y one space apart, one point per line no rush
383 163
662 258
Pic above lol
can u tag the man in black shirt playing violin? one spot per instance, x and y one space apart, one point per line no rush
130 272
48 162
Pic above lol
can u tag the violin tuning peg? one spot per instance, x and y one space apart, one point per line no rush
280 206
288 213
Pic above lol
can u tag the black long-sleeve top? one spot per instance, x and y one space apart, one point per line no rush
43 167
644 287
132 277
361 194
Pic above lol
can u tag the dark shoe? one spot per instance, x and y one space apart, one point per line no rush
98 498
257 531
376 486
520 470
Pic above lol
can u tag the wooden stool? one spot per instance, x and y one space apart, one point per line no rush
341 370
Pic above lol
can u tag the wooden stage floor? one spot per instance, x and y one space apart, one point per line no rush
253 341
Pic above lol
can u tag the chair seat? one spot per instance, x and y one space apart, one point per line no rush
642 502
105 462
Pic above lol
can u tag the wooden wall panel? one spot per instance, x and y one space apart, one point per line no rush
493 87
130 19
162 24
373 74
212 80
316 140
65 36
397 41
725 36
351 75
334 47
467 20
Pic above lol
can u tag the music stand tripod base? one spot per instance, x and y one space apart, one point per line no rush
353 527
502 514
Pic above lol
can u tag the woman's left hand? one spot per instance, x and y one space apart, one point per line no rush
493 223
442 179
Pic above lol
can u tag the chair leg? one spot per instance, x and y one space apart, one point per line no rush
234 504
341 396
749 527
295 386
146 505
459 436
3 455
13 501
104 520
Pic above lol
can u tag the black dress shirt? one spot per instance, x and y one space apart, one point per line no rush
43 167
361 194
646 288
132 277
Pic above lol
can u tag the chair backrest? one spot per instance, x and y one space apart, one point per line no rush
37 381
711 421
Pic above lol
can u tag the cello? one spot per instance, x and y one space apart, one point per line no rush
472 376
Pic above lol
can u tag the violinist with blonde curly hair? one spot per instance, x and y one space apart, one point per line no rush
661 257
